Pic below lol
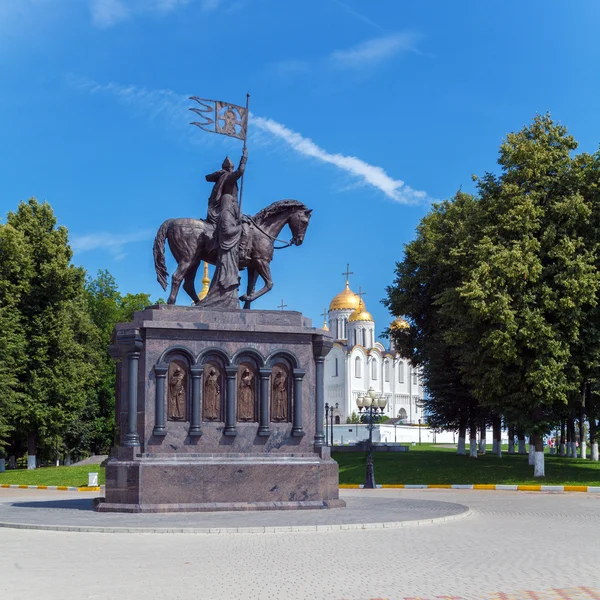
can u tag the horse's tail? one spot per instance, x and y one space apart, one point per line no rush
159 254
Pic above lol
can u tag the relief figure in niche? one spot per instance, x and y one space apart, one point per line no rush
212 393
246 395
177 391
279 408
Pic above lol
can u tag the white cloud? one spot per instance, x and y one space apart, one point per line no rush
369 174
360 16
112 243
172 106
106 13
374 51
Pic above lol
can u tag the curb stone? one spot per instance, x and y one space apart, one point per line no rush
230 530
60 488
481 486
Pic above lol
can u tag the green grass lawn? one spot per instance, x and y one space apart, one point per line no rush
71 476
428 464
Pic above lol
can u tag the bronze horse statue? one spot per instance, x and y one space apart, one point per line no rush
191 241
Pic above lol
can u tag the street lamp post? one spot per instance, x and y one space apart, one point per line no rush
371 404
331 419
419 432
327 423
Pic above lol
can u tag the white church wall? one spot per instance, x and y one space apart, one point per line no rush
401 434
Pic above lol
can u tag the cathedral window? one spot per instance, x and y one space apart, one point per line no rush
335 368
387 370
355 342
357 367
414 376
364 338
400 372
374 370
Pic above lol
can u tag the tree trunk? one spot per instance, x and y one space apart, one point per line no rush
31 451
569 438
511 439
498 436
538 470
593 437
531 450
582 440
522 449
562 447
462 434
482 439
473 438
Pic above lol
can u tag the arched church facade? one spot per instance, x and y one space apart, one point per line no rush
358 361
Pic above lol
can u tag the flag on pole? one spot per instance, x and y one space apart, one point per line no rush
221 117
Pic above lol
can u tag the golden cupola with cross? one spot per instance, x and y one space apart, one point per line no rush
340 309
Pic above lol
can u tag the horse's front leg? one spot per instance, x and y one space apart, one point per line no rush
264 270
252 277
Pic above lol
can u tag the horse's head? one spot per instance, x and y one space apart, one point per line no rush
298 224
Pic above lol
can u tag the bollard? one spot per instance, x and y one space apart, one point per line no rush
92 479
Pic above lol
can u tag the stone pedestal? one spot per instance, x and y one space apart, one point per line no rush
219 410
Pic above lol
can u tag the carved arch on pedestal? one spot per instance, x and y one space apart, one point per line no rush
249 362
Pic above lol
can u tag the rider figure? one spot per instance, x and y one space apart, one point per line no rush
225 183
224 214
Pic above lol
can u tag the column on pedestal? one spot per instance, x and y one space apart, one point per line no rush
319 401
131 437
160 375
297 430
263 428
231 375
196 372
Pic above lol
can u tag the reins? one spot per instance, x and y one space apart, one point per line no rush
287 245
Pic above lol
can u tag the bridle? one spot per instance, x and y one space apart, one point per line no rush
286 245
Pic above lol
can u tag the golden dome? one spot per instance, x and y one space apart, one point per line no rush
345 300
360 314
399 323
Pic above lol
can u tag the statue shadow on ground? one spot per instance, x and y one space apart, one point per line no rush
74 504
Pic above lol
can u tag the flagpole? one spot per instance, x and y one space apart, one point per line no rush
245 136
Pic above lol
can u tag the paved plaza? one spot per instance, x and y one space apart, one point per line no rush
512 545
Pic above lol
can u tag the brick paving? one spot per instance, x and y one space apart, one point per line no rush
514 545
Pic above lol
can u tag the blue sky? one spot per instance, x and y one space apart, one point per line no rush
365 111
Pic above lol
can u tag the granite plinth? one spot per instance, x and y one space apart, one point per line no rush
229 463
217 483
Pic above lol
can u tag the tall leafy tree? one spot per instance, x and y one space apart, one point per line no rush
15 272
434 265
61 342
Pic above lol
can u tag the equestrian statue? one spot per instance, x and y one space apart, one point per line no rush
226 238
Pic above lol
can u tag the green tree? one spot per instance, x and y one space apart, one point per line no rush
15 271
434 265
61 343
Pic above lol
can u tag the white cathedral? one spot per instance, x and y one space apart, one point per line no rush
357 362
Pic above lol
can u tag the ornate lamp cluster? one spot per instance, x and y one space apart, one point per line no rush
371 404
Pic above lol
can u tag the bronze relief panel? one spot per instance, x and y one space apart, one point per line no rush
280 393
212 398
178 385
246 397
